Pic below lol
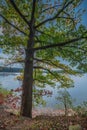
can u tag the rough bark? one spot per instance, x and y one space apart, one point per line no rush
26 106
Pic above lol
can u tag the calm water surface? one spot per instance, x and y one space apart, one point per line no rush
79 92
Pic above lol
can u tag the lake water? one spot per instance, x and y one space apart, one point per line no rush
79 92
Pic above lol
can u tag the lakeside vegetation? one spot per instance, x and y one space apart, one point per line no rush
64 119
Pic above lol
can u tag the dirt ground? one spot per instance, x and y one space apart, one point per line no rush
9 121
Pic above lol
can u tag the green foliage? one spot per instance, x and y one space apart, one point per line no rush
82 109
75 127
4 91
66 100
38 100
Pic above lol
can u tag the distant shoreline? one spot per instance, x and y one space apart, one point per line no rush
8 73
10 69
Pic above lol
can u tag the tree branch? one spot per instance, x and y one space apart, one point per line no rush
50 8
64 68
13 25
55 16
33 11
61 44
82 49
18 11
36 41
42 81
49 62
14 62
44 33
67 18
71 18
39 67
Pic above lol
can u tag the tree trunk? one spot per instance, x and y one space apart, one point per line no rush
26 106
65 106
